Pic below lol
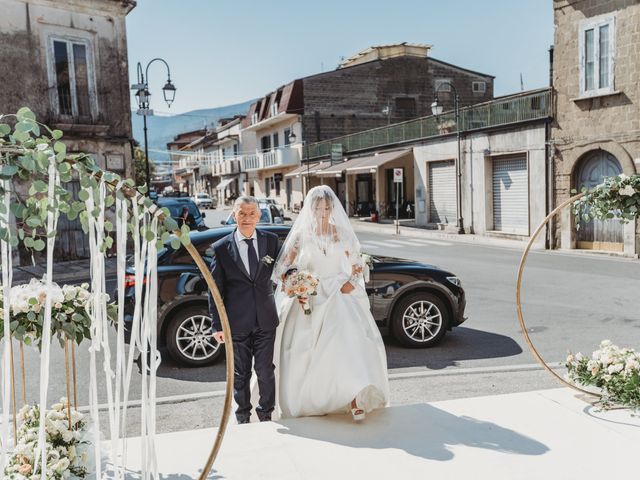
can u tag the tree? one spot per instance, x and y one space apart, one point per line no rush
140 166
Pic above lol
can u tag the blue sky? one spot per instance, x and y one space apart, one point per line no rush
225 52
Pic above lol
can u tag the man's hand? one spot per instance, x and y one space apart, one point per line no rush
347 288
219 337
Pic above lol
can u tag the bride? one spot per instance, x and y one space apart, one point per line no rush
333 359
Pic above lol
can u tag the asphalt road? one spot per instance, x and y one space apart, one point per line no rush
571 302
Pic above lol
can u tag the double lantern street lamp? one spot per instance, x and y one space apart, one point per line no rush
142 98
437 109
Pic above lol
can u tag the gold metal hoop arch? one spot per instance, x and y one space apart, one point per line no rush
523 326
226 329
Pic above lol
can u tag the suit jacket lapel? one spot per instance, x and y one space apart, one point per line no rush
262 250
235 254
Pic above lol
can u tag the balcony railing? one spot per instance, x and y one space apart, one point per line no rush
514 109
250 162
280 157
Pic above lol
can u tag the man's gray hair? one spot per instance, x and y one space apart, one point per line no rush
245 200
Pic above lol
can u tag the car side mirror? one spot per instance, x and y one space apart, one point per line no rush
223 222
287 219
278 221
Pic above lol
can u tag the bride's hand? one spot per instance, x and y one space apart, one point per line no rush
347 288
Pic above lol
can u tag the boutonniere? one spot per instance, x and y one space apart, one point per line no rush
267 260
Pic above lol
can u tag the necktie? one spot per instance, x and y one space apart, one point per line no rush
253 257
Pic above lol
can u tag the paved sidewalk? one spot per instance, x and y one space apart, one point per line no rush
548 434
409 228
73 271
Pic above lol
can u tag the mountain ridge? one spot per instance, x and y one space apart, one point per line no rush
162 130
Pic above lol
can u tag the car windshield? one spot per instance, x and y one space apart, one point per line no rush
176 209
203 195
264 217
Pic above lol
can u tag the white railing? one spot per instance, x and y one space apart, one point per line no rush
250 162
280 157
269 159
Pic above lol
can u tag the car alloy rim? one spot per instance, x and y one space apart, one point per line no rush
195 338
421 321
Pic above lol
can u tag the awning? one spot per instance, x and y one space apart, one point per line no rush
305 169
372 162
224 183
362 164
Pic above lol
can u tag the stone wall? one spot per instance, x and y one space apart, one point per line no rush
609 122
352 99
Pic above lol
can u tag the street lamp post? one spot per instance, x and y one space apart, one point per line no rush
142 98
436 109
292 139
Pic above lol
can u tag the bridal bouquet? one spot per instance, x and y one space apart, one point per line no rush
301 285
67 451
69 311
615 370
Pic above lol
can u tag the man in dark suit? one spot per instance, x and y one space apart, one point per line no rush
241 267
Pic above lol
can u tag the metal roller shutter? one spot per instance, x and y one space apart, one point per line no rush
442 192
511 195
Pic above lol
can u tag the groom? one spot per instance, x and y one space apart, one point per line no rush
241 267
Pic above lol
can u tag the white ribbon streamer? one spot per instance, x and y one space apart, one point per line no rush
45 355
7 268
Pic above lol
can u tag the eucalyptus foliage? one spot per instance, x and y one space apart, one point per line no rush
26 147
616 197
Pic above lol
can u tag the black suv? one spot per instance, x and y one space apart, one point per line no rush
416 303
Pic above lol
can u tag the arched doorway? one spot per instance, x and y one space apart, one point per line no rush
598 234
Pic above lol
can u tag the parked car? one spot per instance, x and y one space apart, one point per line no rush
415 302
271 201
269 215
176 206
203 200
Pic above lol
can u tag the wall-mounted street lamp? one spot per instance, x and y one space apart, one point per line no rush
436 109
143 97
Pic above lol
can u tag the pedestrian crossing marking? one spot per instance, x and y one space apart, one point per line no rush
418 242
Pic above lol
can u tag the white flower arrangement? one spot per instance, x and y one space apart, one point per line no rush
69 311
616 197
67 449
614 370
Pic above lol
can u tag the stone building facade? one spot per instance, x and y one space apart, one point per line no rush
397 83
67 61
377 87
596 132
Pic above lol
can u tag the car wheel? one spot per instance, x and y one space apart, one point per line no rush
419 320
190 338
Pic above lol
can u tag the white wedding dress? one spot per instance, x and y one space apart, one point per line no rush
326 359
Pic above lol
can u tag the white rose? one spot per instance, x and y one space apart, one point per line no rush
67 436
615 368
631 365
623 176
628 191
61 465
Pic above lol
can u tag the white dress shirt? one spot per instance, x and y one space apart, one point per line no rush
243 248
